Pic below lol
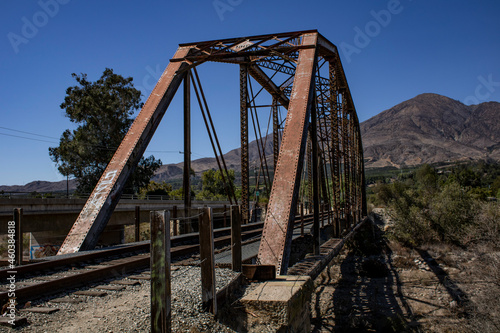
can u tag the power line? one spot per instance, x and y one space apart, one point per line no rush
87 144
23 137
30 133
163 151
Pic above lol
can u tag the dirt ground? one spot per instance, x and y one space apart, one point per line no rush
377 285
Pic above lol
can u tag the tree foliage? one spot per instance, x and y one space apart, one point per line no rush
156 188
102 110
213 186
432 207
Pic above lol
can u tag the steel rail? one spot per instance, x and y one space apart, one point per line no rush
112 269
94 255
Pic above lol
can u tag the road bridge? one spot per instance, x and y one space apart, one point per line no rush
48 220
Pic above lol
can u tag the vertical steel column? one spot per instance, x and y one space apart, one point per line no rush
208 295
186 177
245 205
336 117
323 181
310 196
315 179
18 236
364 210
236 238
160 272
345 169
357 184
336 151
276 137
348 168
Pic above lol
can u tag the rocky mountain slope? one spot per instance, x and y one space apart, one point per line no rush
432 128
232 158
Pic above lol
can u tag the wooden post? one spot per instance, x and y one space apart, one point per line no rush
315 176
137 223
208 296
175 221
18 236
160 272
225 216
236 238
302 219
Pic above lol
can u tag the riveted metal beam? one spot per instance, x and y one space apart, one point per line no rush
276 237
98 209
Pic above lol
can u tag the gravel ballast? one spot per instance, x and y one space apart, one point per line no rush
128 310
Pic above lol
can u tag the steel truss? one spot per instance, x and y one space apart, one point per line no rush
302 73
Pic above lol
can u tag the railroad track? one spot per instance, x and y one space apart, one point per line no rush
42 279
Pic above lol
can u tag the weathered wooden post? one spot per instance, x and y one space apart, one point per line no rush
137 223
302 219
208 296
225 216
175 223
160 272
236 238
18 236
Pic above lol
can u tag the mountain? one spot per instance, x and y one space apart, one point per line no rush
232 159
40 186
432 128
428 128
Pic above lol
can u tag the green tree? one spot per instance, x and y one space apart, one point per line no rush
213 186
155 188
495 187
452 210
102 110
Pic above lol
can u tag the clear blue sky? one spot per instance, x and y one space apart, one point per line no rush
405 48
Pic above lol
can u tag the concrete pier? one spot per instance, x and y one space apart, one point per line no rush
284 302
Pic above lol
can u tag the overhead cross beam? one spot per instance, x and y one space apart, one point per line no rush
289 67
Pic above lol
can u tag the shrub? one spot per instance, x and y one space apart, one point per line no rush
486 225
452 211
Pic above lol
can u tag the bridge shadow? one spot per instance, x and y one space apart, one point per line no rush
464 306
367 296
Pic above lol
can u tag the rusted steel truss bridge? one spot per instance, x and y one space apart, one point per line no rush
317 151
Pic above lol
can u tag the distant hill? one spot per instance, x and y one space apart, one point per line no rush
40 186
232 159
432 128
426 129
